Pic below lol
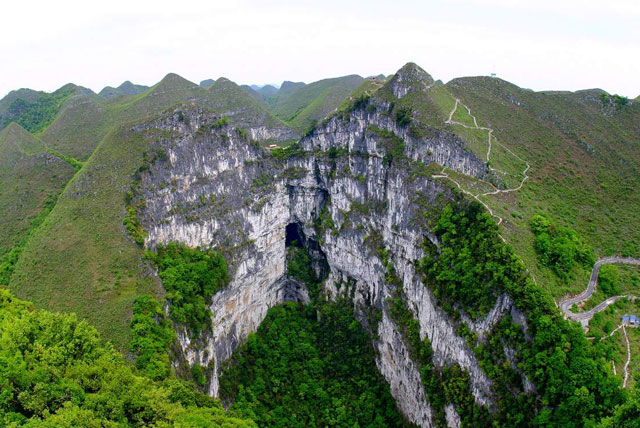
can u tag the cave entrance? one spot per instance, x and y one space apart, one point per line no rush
294 236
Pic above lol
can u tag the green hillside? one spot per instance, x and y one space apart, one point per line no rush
207 82
126 88
285 91
584 162
231 100
264 94
81 258
32 110
313 102
27 95
31 181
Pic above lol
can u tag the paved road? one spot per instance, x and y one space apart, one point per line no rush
587 315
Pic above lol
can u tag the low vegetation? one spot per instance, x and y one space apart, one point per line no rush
151 337
309 366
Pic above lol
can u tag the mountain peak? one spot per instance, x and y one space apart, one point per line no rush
409 78
21 140
126 84
207 82
223 80
174 81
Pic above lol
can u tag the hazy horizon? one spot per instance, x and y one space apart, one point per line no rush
540 45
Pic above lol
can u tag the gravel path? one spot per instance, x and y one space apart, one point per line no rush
443 173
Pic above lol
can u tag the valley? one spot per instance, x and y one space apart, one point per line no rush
403 257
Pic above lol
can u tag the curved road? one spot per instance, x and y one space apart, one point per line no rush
587 315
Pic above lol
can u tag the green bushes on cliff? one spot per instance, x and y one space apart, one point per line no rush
151 336
191 277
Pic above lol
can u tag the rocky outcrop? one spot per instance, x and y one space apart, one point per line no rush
212 187
410 78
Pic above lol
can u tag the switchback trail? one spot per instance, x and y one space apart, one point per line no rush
477 196
628 361
566 303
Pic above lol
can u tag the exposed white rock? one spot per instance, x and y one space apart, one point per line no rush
452 416
234 200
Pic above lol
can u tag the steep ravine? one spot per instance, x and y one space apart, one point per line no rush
357 184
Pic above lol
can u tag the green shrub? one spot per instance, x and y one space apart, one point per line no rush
197 373
360 102
608 280
560 248
403 116
223 121
282 154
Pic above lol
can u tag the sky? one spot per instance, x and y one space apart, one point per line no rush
536 44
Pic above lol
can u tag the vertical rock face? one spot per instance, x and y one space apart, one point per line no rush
348 198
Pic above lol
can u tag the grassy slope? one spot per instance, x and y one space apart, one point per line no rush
81 259
227 97
584 164
315 101
24 94
23 193
285 91
34 110
126 88
78 128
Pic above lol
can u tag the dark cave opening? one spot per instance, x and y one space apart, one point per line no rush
294 235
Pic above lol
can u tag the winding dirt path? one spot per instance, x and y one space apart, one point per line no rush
566 303
626 364
443 173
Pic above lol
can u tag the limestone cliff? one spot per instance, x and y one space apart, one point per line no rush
358 182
